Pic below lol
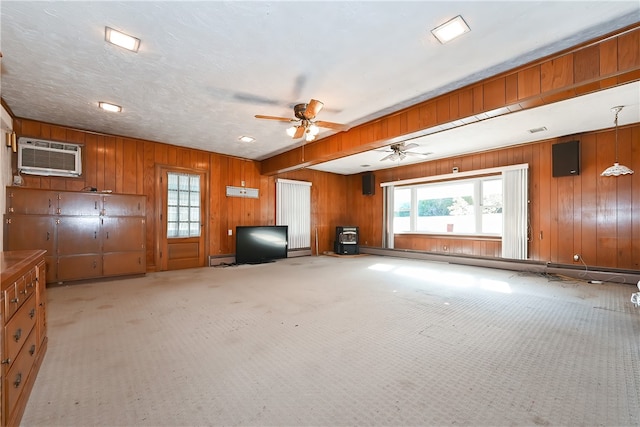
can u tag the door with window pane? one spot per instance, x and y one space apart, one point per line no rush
183 215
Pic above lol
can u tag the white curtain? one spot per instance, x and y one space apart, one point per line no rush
515 215
293 208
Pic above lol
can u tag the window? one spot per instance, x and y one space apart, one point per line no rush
469 206
183 205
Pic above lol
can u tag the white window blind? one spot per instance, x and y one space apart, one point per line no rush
515 190
293 208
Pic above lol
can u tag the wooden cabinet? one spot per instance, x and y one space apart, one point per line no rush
86 235
23 325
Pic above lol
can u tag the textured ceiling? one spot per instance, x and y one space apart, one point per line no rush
204 69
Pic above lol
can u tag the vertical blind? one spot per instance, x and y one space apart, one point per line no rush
515 195
293 208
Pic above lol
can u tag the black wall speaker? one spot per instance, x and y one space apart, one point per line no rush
368 184
566 158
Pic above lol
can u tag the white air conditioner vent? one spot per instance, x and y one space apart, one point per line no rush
49 158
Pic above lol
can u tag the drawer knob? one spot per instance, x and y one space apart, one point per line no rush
6 361
32 313
18 380
18 334
32 350
15 300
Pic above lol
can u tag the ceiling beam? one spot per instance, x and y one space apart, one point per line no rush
601 64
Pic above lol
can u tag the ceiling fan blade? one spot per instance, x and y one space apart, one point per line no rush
410 146
313 108
411 153
330 125
282 119
299 132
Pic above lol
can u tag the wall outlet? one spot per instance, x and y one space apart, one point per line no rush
576 257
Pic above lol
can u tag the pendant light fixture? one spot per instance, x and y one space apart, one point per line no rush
617 169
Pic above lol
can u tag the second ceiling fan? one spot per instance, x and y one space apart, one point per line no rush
304 123
400 151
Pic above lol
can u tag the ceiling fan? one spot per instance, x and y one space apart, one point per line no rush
304 123
400 151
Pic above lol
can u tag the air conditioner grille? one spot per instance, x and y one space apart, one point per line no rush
48 159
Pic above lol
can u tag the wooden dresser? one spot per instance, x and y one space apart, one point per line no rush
24 328
86 235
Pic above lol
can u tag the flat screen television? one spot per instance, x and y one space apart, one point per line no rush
262 243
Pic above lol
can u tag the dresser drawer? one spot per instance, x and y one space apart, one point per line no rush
18 374
11 301
18 329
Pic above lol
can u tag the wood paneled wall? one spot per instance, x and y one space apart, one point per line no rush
128 165
594 216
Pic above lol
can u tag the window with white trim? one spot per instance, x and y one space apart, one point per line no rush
467 206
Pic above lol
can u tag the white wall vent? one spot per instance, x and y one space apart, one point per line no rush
49 158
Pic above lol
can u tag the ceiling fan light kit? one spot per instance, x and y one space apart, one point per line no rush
617 169
305 124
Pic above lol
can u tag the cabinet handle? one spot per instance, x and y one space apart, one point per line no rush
17 335
95 205
107 234
32 313
95 264
32 350
49 202
95 234
6 361
47 235
15 300
18 380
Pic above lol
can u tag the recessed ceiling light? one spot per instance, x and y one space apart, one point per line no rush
246 139
110 107
121 39
536 130
450 30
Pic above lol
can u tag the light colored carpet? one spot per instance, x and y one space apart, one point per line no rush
331 341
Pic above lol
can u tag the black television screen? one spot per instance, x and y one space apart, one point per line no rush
262 243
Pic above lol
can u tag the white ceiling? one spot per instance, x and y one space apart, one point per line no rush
204 69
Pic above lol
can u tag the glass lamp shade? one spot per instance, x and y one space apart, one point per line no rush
314 130
309 136
616 170
292 130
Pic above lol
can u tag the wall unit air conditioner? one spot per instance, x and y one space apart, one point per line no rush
49 158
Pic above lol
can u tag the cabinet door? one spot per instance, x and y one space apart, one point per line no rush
77 267
124 205
121 263
32 201
78 235
122 234
30 232
79 204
